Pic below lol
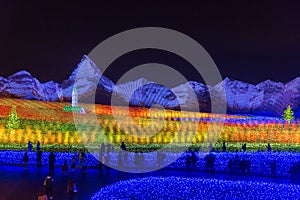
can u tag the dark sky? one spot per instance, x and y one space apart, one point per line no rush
249 41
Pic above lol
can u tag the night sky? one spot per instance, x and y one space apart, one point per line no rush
249 41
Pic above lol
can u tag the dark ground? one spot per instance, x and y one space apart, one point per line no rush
17 184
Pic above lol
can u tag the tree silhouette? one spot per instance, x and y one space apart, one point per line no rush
13 121
288 114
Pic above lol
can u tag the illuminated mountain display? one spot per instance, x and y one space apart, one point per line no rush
266 98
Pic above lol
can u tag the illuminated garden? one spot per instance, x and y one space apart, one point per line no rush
267 139
54 128
220 155
149 100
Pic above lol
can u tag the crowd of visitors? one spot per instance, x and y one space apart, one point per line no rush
235 166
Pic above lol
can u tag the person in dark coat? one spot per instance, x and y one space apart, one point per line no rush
25 159
64 170
38 146
48 183
243 166
73 165
123 146
71 189
188 161
236 165
244 147
29 146
269 147
39 158
51 162
194 159
273 169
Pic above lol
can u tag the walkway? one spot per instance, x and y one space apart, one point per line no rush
15 183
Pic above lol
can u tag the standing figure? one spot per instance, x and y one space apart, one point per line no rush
83 167
80 157
123 146
188 160
273 169
236 165
71 189
243 166
73 165
29 146
39 158
25 159
194 159
51 162
64 170
244 147
269 147
38 146
48 183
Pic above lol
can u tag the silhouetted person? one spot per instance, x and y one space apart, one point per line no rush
64 170
244 147
80 157
273 169
39 158
71 188
236 165
83 165
188 160
123 146
38 146
73 164
48 183
210 162
243 166
29 146
100 166
194 159
224 147
269 147
25 159
51 162
83 158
